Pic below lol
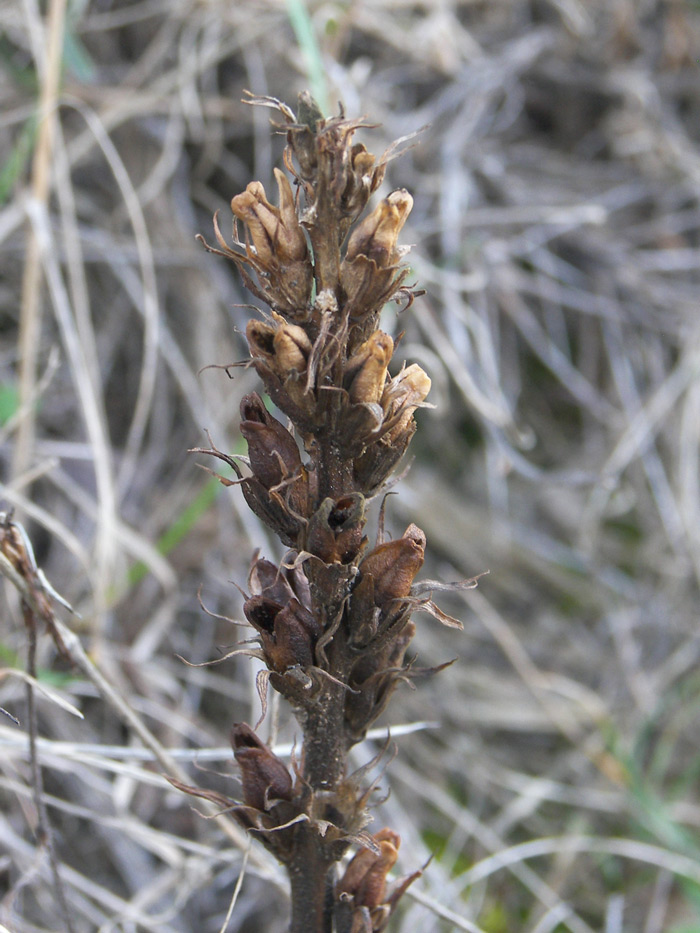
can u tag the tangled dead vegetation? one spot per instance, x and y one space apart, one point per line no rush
555 230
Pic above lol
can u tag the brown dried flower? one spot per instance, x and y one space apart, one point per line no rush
368 274
367 368
287 632
276 245
272 450
376 236
264 777
393 565
335 530
365 875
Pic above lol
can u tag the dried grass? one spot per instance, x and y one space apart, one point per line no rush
556 229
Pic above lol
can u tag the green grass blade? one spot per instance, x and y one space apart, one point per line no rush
306 37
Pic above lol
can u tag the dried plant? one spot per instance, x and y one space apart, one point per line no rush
333 620
18 565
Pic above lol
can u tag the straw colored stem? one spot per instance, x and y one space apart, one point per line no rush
30 317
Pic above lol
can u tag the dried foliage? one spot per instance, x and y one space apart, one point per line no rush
555 229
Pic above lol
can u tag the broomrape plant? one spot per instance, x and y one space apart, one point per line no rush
333 620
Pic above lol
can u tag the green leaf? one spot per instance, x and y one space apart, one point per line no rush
77 59
10 658
18 158
9 402
306 37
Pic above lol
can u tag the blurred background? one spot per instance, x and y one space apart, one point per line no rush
552 770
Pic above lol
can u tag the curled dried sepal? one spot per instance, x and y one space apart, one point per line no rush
18 564
273 510
220 800
263 776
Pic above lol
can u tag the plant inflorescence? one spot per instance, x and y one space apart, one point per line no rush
333 619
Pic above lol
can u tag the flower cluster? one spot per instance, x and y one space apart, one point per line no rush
333 619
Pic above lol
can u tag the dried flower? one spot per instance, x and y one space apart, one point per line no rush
279 583
292 348
277 360
276 245
273 452
335 530
366 176
368 274
365 875
393 565
287 632
367 368
264 777
400 398
375 237
375 676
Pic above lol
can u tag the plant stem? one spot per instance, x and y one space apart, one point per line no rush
42 830
325 617
334 473
324 745
30 316
311 884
